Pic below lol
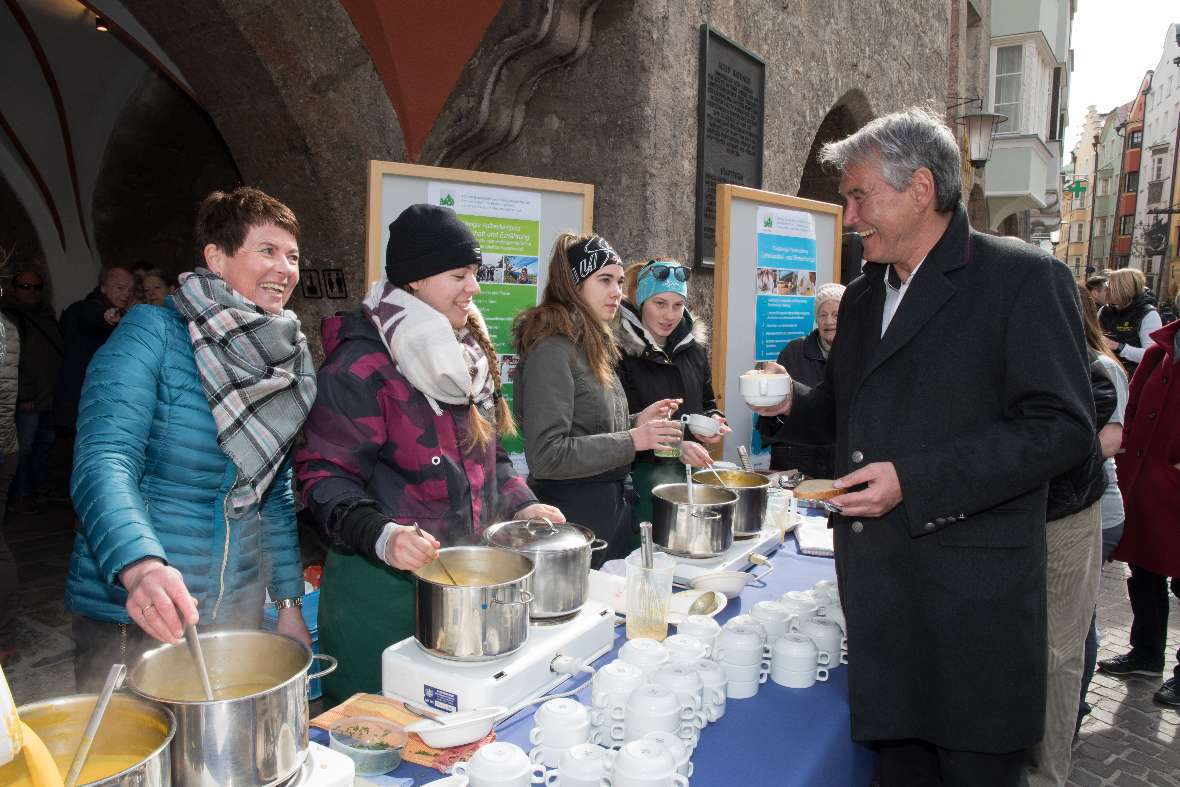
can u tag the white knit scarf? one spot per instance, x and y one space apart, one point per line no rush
445 365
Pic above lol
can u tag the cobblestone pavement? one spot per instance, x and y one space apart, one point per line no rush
1127 741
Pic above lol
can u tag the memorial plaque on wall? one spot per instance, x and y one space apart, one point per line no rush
729 128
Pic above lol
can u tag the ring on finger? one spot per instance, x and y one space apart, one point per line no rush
144 610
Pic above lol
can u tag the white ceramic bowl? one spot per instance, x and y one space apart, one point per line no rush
763 401
456 729
729 583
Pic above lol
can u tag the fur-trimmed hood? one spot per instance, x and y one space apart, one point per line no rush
635 341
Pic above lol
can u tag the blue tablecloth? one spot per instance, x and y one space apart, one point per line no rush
785 737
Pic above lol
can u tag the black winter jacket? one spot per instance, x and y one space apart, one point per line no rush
1122 325
1080 487
680 370
804 361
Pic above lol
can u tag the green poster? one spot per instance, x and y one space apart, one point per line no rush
507 223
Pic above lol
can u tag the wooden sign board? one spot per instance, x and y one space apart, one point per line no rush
773 251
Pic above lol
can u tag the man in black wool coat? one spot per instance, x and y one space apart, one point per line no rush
957 387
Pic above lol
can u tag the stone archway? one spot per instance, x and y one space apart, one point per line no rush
139 216
294 93
849 113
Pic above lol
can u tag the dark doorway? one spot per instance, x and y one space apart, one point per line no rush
163 157
850 113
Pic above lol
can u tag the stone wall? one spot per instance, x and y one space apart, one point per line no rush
624 116
297 99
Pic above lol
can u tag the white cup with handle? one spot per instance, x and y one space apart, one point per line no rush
741 690
654 707
796 652
703 628
741 644
764 389
583 765
644 763
828 638
679 750
799 679
713 682
774 618
684 649
647 654
685 682
500 764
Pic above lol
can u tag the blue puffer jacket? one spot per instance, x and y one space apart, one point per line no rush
150 481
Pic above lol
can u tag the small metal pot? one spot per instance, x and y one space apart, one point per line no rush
483 617
561 561
692 530
132 730
752 490
257 737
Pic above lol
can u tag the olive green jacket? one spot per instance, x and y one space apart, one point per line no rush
573 425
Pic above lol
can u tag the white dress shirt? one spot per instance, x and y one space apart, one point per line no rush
895 290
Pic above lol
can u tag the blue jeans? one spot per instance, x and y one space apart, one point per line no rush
34 432
1110 540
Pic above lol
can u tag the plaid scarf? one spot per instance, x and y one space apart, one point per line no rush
445 365
257 374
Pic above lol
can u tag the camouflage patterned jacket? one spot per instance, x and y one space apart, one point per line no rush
376 451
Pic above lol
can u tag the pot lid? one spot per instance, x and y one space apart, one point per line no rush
538 535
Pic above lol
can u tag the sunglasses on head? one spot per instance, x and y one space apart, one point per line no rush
662 270
27 286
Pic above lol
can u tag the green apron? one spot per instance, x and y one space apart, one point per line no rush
646 476
365 606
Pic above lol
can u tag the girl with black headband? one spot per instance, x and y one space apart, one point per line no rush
579 438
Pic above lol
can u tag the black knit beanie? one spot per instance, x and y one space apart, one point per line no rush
425 240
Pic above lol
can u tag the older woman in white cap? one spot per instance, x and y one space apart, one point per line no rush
805 358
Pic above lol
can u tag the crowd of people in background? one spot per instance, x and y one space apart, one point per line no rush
1002 471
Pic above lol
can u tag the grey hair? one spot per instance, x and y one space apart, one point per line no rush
903 143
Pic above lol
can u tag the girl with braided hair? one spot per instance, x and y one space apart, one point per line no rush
405 430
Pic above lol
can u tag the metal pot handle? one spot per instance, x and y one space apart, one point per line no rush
523 597
598 544
332 664
761 560
528 523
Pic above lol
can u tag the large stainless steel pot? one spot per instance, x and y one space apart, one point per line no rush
130 749
752 490
680 528
257 735
561 561
482 617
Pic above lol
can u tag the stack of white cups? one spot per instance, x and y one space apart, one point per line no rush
558 725
796 663
684 681
742 653
713 688
702 628
609 690
656 708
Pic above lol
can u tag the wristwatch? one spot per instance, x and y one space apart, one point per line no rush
284 603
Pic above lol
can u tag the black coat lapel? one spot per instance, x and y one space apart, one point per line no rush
926 295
